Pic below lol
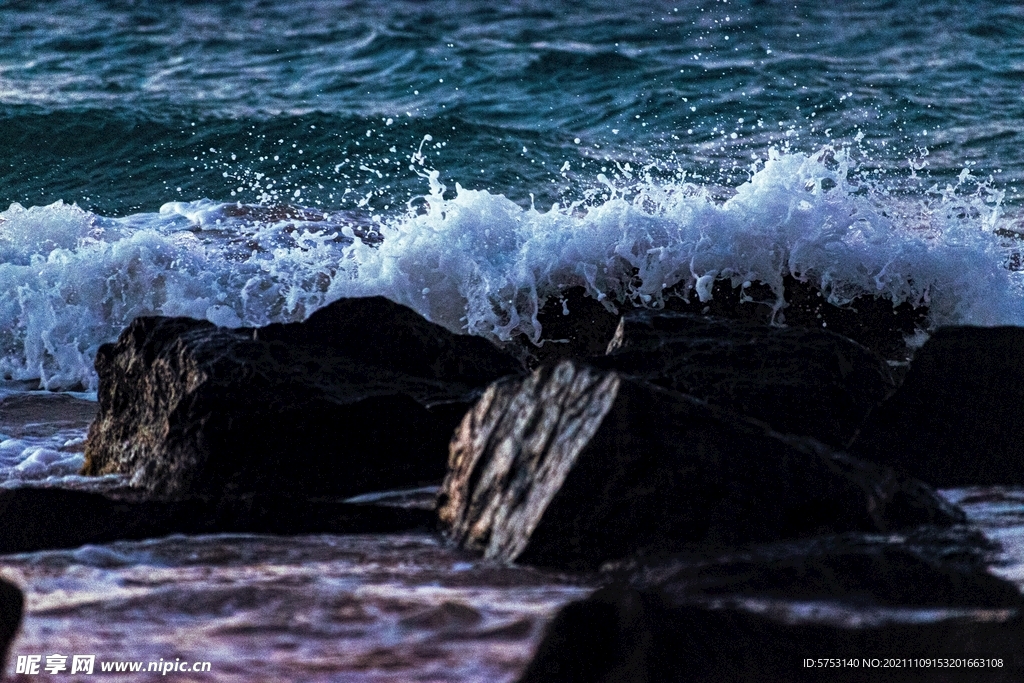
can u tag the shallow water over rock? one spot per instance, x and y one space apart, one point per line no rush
352 608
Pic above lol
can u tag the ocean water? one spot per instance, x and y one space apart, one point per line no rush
250 161
247 162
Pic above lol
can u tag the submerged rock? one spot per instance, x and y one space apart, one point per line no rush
575 466
620 634
958 418
800 381
50 518
362 396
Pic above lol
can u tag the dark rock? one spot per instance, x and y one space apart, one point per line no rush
798 380
612 636
872 321
382 334
362 396
12 607
574 466
574 325
862 570
958 418
50 518
621 635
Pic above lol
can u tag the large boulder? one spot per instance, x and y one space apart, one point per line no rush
798 380
362 396
958 417
621 635
574 466
50 518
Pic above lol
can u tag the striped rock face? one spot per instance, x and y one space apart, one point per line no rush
572 467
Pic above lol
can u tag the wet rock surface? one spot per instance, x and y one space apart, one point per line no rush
758 612
870 321
622 634
51 518
958 417
362 396
927 567
575 325
573 466
800 381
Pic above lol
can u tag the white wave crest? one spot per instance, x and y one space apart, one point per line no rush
479 263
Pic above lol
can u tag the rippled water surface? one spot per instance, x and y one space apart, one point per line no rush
314 608
134 97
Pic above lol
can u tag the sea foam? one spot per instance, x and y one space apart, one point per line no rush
479 263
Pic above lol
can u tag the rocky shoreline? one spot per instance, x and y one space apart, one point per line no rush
746 496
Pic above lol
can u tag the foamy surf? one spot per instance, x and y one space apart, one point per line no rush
479 263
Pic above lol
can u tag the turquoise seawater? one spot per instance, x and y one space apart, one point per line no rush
224 160
115 105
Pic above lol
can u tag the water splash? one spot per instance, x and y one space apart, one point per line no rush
478 262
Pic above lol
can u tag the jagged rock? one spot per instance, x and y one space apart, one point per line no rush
362 396
958 418
50 518
798 380
575 466
621 635
12 607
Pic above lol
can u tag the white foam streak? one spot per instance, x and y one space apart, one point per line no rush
477 262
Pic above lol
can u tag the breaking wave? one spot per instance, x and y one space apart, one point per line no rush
480 263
